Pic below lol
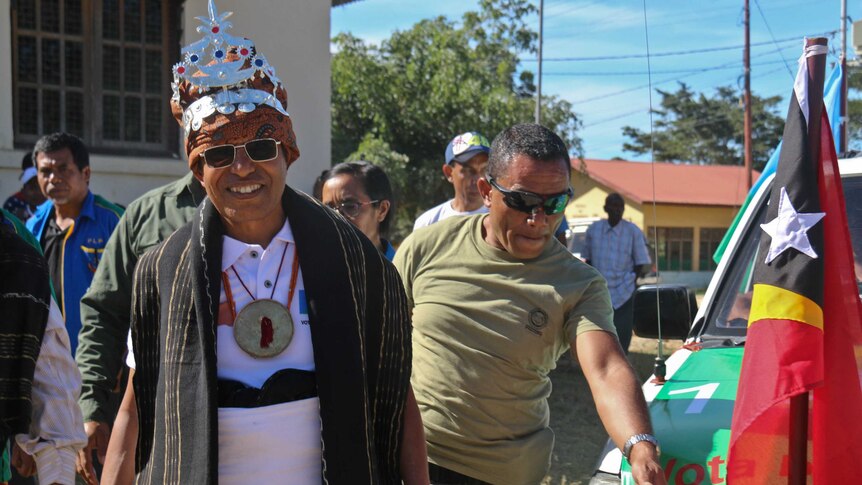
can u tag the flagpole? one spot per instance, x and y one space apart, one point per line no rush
842 133
798 471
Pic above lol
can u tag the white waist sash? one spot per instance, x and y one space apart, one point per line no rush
272 444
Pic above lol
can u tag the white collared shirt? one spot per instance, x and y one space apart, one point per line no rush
270 443
57 428
258 267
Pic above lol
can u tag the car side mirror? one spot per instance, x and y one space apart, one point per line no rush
678 308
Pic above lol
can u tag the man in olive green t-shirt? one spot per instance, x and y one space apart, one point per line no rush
496 301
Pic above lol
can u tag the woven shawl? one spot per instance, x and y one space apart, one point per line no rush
25 295
360 331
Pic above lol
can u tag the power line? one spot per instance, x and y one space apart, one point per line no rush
671 71
631 113
664 81
667 54
769 29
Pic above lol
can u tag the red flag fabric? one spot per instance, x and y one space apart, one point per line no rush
836 423
805 325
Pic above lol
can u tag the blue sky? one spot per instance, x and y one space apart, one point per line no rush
589 28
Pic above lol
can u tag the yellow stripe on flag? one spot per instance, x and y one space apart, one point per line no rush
774 303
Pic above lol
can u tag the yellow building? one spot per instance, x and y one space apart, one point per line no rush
687 208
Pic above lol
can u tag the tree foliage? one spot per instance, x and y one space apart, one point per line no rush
854 108
695 128
406 98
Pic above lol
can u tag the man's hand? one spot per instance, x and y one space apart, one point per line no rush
98 435
646 469
24 463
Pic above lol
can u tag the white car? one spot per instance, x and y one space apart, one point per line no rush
691 412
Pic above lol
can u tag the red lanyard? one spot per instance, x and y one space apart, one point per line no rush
294 275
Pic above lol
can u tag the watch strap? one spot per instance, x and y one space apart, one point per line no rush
637 438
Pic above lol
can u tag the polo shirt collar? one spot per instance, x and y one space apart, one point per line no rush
233 248
88 208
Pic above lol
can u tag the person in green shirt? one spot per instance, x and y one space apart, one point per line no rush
106 306
496 301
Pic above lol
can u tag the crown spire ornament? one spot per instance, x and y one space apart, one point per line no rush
223 68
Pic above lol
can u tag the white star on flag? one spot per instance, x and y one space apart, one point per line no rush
790 229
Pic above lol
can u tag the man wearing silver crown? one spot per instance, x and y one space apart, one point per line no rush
270 339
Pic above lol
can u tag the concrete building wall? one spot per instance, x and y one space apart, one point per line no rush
589 201
590 197
695 217
292 34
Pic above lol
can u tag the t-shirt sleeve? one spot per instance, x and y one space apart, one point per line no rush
403 262
639 248
592 311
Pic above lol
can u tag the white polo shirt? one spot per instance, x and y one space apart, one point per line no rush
272 442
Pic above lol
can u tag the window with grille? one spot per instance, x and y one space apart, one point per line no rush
674 249
97 68
710 238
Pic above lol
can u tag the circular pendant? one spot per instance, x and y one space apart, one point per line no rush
264 328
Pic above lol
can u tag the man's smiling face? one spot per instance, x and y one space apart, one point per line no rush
246 191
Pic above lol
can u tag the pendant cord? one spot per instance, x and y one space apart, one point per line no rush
293 277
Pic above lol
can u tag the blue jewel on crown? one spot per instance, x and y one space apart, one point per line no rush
223 82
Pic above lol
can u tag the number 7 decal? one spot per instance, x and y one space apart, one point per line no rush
704 393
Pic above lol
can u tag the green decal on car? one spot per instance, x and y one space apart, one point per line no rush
691 416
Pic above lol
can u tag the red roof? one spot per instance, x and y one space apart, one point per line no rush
722 185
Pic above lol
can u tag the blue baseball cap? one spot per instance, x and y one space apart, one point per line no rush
465 146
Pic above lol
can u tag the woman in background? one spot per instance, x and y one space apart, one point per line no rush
361 192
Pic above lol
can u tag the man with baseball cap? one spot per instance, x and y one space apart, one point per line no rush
24 202
466 159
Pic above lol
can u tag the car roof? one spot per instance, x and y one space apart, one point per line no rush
850 166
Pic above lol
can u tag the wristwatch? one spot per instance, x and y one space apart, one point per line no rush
627 448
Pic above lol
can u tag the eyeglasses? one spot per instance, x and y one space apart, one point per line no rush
261 150
350 210
530 202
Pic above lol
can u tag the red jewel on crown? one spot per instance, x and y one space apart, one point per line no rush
243 52
181 70
215 30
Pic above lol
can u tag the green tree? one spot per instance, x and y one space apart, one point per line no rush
422 86
395 165
854 108
695 128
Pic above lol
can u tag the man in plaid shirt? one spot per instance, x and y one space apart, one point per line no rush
617 248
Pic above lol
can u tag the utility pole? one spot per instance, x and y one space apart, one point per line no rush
539 83
746 100
842 134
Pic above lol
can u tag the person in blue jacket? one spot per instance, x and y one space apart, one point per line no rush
73 225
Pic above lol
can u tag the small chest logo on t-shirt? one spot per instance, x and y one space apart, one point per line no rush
303 308
537 321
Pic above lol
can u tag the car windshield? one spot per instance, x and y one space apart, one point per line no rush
728 316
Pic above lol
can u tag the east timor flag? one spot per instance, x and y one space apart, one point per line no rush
803 315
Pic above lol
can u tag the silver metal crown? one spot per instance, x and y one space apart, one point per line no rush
205 65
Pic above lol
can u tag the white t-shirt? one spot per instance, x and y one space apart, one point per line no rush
443 211
293 426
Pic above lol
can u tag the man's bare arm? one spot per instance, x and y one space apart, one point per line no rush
619 400
120 461
414 454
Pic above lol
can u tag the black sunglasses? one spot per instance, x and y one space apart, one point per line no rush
261 150
529 202
351 209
